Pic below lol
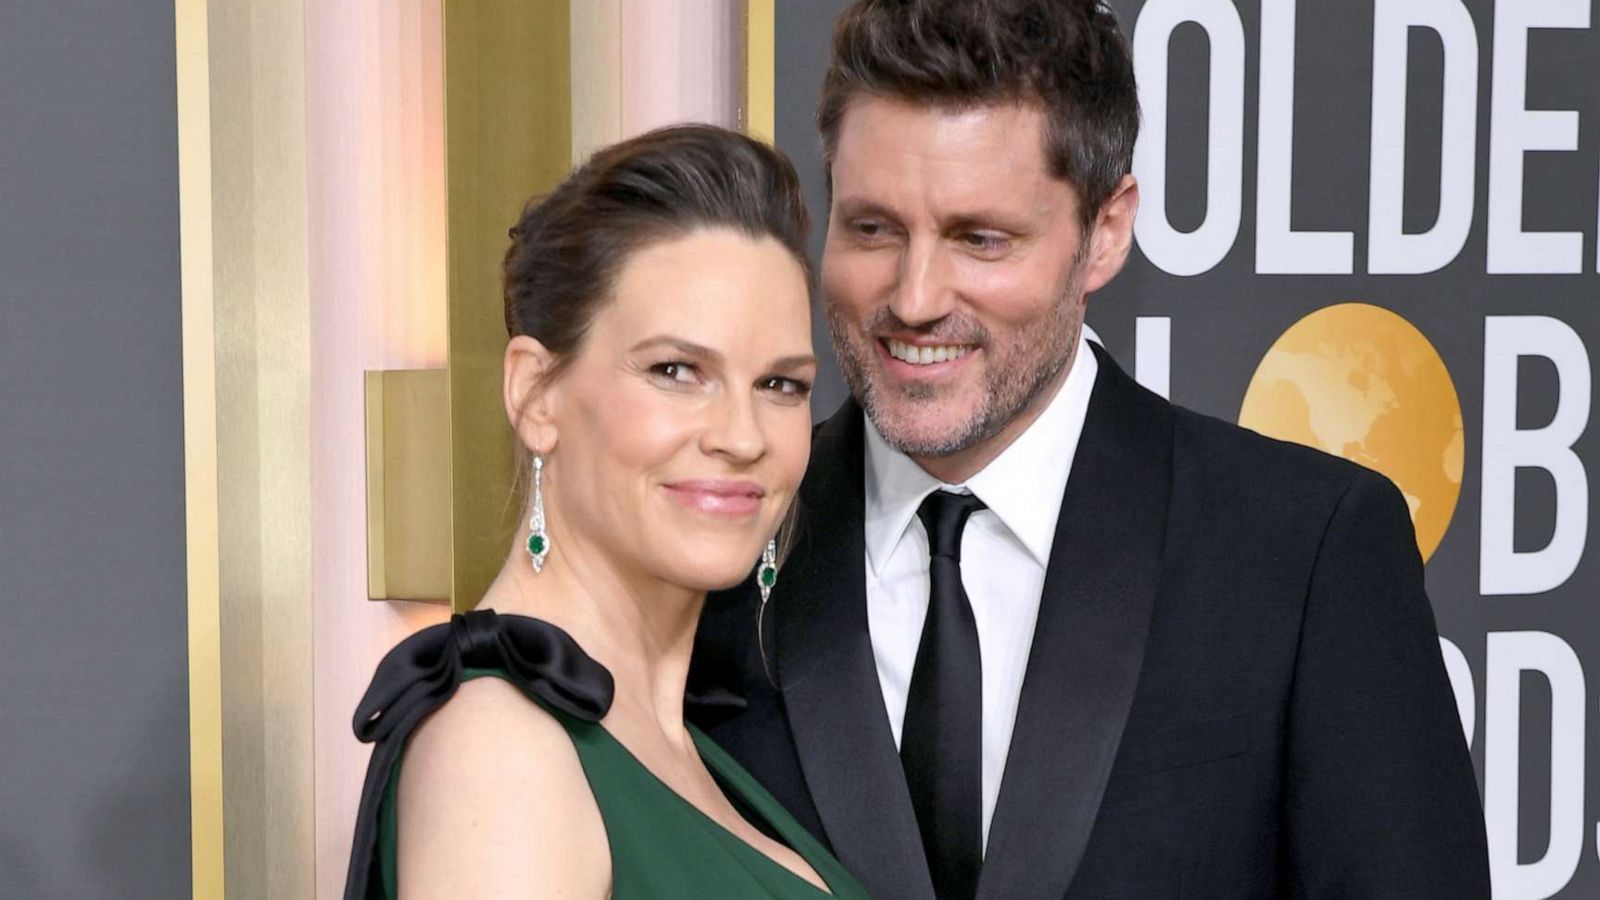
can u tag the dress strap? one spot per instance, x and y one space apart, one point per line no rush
423 672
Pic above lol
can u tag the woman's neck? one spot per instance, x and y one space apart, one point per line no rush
640 628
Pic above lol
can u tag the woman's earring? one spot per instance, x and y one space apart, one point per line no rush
766 577
538 539
767 574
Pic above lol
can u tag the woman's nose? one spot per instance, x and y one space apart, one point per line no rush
734 431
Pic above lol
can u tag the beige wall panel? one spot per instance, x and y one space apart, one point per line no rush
596 75
263 386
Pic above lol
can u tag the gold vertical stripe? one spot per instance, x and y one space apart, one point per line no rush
760 69
200 450
247 446
262 309
377 534
508 136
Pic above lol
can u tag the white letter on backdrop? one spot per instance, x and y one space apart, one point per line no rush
1152 348
1194 252
1510 653
1514 130
1390 251
1455 666
1280 250
1152 355
1501 568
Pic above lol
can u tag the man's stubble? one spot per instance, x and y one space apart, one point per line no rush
1014 380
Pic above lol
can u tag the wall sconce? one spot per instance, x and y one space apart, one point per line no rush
409 538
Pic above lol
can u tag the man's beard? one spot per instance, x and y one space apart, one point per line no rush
1015 375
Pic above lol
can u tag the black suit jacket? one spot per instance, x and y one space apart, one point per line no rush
1235 687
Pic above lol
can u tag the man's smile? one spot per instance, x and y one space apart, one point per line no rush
926 354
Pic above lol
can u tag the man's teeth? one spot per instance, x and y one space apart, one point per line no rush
923 356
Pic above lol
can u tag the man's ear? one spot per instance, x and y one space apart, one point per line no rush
1112 238
529 396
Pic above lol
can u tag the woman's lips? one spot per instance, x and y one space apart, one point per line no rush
718 497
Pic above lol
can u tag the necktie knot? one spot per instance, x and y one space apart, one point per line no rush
944 515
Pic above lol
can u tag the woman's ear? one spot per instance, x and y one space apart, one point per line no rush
529 397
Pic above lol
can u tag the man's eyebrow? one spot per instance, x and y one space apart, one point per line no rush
856 206
687 348
981 219
970 220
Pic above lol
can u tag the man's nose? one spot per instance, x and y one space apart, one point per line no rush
924 292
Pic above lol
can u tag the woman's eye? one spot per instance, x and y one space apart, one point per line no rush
675 372
788 387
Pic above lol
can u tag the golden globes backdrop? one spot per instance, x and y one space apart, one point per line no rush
1370 227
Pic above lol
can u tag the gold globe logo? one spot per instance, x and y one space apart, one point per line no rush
1360 382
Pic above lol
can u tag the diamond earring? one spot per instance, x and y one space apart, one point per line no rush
538 539
767 574
766 577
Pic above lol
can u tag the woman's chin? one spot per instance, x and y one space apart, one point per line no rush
713 578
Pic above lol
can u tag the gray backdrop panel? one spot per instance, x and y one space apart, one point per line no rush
94 742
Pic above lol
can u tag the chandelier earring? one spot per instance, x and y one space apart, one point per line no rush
538 538
766 577
767 573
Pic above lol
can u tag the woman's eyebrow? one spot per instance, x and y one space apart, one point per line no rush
686 347
798 361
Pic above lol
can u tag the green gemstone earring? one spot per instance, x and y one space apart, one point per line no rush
538 538
767 574
766 577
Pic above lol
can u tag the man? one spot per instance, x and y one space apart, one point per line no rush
1042 634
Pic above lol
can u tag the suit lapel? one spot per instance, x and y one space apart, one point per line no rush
1088 645
829 677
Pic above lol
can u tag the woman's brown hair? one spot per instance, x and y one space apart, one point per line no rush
569 246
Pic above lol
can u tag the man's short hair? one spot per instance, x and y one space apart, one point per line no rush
1069 56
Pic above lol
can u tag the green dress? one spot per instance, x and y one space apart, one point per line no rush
661 845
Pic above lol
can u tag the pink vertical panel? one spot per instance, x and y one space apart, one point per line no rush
681 62
375 161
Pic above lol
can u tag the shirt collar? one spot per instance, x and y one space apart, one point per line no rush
1034 466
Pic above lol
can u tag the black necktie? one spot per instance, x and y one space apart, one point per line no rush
941 743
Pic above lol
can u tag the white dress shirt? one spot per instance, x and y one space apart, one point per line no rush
1004 552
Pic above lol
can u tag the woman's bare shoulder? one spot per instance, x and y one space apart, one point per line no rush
493 802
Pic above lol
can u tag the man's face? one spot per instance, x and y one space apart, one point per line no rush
954 272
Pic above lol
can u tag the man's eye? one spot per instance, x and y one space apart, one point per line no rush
869 229
987 243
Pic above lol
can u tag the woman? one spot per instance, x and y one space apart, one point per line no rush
657 378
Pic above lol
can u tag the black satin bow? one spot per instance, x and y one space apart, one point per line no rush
423 672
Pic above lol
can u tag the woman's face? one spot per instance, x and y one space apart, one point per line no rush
682 427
